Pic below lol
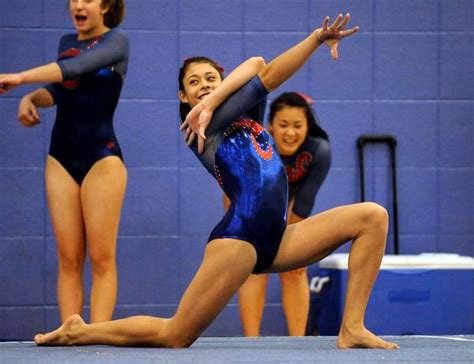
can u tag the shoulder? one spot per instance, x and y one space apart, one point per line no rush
68 39
117 35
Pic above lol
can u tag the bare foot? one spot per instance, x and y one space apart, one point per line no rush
65 335
362 339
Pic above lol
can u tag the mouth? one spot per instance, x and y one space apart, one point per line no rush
290 142
203 95
80 19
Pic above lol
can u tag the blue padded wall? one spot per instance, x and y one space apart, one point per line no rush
408 73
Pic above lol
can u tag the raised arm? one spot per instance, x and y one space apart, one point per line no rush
200 116
275 73
285 65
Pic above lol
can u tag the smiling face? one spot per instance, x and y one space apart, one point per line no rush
88 17
198 81
289 128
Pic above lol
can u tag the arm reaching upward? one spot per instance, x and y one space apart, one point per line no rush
285 65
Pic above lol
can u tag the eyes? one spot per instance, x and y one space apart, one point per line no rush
194 81
285 125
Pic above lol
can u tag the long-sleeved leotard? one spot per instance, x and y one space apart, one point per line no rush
243 158
306 170
93 72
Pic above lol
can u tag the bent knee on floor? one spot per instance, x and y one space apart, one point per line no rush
173 336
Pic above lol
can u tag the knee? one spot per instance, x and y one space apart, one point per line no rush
102 261
71 262
375 215
173 338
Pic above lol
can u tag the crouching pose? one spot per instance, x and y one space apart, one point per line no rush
224 129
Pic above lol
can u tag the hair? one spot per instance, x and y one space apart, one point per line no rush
293 99
184 108
115 13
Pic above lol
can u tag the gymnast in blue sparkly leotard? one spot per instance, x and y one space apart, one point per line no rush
93 72
246 165
85 176
242 156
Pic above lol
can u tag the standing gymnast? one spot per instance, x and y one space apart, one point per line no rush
306 154
85 175
253 235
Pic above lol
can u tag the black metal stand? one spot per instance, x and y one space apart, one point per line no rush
392 143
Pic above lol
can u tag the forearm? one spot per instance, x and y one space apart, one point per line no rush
285 65
49 73
41 98
235 80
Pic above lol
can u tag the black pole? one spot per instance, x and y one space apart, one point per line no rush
392 143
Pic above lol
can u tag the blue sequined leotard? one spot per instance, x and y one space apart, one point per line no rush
242 157
93 72
306 170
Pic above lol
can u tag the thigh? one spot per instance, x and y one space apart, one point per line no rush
226 265
102 194
312 239
64 203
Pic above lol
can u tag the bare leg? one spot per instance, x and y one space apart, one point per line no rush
227 264
295 299
252 302
102 194
312 239
66 216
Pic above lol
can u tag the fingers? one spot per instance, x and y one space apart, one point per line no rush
29 118
325 23
348 32
336 23
200 144
346 19
334 53
184 125
191 138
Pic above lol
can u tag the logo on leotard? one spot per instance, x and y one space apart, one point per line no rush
302 164
110 145
70 53
256 131
74 52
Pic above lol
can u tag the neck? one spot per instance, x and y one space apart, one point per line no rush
92 33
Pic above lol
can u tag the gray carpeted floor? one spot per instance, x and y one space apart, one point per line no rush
414 349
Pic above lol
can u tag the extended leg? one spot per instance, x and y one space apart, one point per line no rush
227 264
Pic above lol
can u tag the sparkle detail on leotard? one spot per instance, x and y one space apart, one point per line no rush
302 165
254 131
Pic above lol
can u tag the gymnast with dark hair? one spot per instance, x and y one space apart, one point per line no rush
306 154
84 173
253 236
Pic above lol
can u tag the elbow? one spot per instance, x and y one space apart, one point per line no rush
268 80
259 63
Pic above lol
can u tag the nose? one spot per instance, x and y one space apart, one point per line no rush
205 85
78 4
290 131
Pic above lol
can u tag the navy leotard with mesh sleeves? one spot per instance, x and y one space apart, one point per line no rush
93 72
306 170
243 158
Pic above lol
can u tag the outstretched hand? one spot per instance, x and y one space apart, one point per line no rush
9 81
331 35
196 123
